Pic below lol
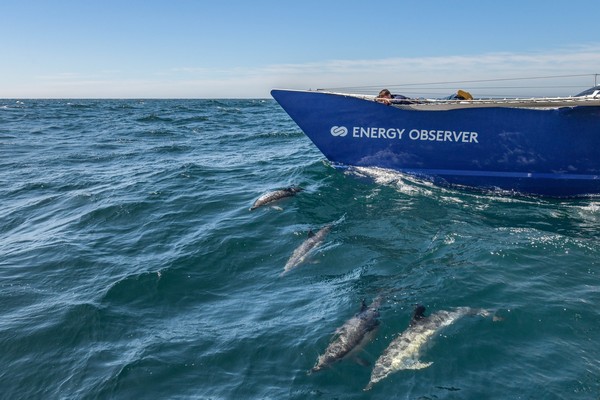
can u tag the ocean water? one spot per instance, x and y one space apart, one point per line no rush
132 268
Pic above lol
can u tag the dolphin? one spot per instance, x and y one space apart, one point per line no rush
299 255
270 197
351 336
403 351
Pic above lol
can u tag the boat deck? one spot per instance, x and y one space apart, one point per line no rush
537 103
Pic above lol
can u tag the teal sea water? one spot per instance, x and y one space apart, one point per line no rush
132 268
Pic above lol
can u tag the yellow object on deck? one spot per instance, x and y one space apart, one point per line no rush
464 95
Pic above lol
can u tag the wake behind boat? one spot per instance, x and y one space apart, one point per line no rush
542 146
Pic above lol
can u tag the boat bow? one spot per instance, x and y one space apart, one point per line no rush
545 146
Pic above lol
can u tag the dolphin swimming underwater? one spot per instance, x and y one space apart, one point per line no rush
271 197
299 255
351 336
403 351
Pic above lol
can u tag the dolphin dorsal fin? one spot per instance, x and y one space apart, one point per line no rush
363 305
293 189
418 314
311 233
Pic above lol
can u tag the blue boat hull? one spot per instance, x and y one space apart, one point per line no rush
550 152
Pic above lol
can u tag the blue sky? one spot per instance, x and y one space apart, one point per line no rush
207 49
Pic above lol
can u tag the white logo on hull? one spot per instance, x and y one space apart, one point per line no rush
339 131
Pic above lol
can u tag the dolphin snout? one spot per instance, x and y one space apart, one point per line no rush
484 313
